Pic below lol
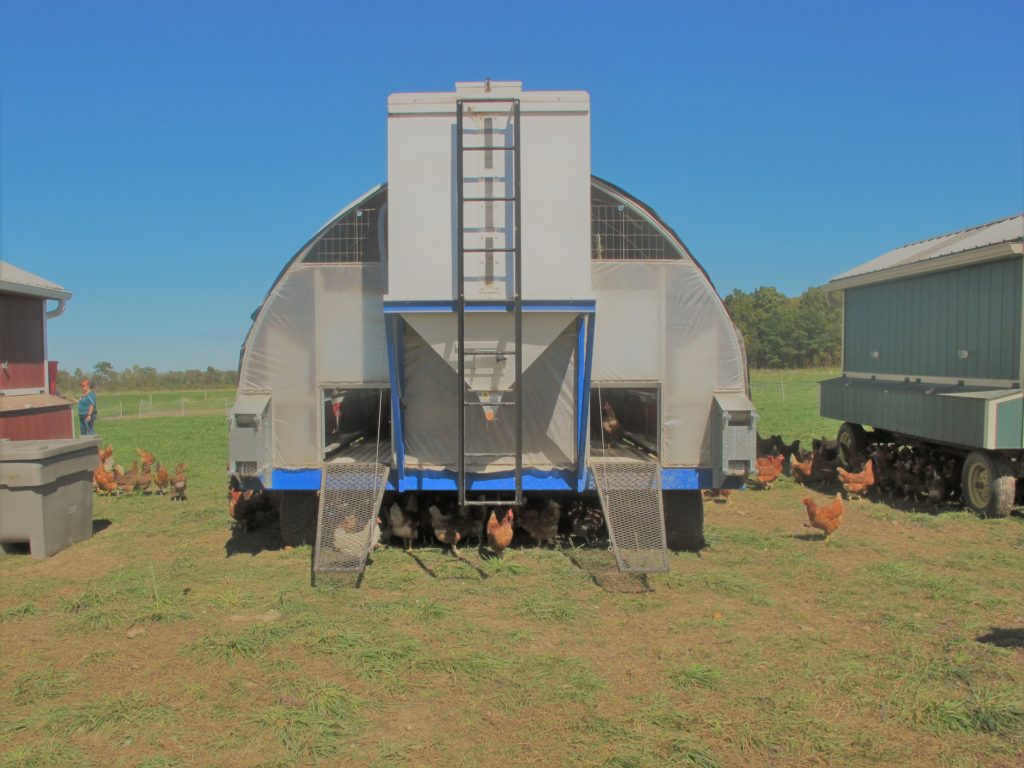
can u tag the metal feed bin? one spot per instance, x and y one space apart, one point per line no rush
734 439
46 493
249 430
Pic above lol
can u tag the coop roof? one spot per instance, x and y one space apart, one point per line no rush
17 280
994 240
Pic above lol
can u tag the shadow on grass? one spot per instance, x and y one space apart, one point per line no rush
264 539
1004 637
100 524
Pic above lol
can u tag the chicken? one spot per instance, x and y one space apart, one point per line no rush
858 483
103 481
249 509
106 463
610 424
145 456
586 522
470 525
499 532
801 471
350 537
445 528
161 478
825 518
127 481
768 471
404 524
542 524
179 483
145 477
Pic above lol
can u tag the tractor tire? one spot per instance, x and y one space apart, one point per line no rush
298 513
989 487
684 520
852 443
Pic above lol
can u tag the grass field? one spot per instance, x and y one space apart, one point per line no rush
169 640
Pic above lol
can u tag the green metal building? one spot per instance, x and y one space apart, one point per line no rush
932 349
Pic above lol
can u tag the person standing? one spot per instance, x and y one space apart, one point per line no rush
86 410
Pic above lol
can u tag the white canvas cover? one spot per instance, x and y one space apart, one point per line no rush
321 324
662 323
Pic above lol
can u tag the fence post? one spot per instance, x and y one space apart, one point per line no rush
183 406
140 407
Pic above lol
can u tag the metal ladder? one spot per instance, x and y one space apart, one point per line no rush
513 305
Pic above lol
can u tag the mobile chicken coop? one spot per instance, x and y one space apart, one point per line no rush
932 356
459 329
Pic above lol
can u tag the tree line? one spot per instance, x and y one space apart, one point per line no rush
788 332
106 378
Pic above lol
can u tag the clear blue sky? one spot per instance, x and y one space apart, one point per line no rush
162 161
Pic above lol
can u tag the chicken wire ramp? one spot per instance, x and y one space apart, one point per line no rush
630 494
350 496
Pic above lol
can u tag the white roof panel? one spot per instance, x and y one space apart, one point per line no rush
1008 230
17 280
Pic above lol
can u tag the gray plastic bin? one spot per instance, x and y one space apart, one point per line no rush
46 493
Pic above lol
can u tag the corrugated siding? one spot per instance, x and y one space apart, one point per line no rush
919 324
910 409
41 424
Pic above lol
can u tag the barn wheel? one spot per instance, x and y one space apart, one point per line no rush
988 486
298 511
852 442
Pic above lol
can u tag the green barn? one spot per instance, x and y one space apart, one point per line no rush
932 352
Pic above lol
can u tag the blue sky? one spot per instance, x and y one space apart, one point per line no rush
163 160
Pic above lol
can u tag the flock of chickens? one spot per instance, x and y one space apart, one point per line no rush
112 480
912 474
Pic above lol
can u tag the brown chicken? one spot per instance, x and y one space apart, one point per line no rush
499 533
145 456
145 477
445 528
542 524
105 461
825 518
610 424
103 481
161 479
801 471
179 483
768 471
857 484
404 524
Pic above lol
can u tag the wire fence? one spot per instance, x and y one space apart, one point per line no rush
141 405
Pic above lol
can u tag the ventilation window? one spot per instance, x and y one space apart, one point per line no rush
620 233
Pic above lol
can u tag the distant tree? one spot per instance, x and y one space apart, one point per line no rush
145 379
784 332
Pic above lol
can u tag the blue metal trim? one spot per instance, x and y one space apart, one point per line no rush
568 305
393 330
672 479
584 413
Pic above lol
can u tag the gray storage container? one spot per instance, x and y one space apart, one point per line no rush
46 493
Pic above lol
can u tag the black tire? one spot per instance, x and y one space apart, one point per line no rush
684 520
989 487
298 511
852 444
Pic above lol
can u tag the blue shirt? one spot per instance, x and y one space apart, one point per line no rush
85 401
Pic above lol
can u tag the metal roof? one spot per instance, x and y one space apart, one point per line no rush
17 280
946 251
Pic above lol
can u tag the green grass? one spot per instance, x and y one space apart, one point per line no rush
787 404
166 640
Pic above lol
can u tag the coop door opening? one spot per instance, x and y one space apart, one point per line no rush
353 418
625 417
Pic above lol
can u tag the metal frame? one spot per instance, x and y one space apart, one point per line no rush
516 302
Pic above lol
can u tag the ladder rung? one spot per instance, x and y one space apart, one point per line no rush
498 503
488 199
485 352
504 455
506 148
488 250
491 405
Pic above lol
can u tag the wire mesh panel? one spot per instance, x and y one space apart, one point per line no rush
630 493
350 497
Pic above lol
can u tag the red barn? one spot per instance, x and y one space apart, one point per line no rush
29 407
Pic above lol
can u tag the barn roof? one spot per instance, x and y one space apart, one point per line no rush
997 239
17 280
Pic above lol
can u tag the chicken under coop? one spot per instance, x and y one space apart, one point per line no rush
500 329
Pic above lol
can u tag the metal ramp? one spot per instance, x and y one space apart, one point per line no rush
497 201
346 529
630 492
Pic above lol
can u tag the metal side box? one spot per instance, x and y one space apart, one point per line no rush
734 436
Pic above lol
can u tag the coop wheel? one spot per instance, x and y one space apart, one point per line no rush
852 443
988 486
298 511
